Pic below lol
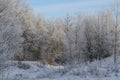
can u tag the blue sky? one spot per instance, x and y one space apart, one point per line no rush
58 8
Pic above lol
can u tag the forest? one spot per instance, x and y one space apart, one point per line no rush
79 39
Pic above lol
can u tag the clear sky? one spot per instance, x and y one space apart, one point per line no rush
56 8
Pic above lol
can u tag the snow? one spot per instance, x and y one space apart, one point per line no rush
97 70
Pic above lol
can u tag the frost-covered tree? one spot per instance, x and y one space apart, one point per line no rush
97 38
55 43
68 29
89 51
116 14
103 34
10 29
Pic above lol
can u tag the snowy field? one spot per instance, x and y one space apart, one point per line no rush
97 70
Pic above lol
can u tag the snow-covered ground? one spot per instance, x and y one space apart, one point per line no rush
97 70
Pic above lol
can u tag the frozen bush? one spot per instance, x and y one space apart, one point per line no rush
23 65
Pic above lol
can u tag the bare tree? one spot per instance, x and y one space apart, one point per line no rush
116 12
68 23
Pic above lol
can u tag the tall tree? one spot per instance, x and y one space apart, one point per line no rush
116 13
10 29
68 24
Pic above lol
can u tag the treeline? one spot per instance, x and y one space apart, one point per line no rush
79 38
